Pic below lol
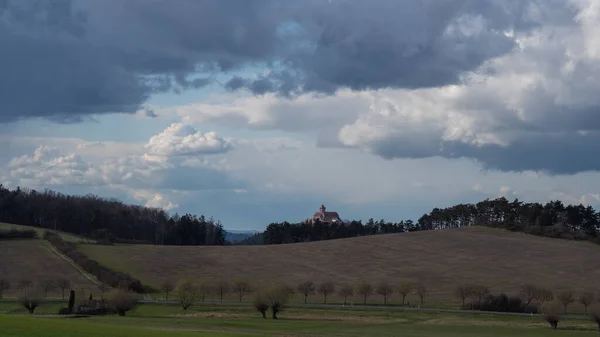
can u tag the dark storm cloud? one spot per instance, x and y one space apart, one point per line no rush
65 58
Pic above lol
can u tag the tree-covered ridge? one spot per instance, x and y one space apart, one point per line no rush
106 220
552 219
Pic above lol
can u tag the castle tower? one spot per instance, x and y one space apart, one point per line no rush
322 209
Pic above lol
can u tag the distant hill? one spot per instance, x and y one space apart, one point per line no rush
237 236
441 259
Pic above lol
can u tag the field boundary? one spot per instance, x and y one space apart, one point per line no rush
72 263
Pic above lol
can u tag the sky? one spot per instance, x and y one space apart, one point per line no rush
259 111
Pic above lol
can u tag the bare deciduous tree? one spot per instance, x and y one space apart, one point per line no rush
345 291
4 286
103 288
364 289
166 288
24 284
242 287
566 297
63 284
46 286
31 298
384 289
586 299
204 288
325 289
529 293
306 288
121 301
186 292
222 288
422 292
479 292
544 295
404 289
462 292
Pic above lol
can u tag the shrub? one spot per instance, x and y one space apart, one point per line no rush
502 303
63 311
552 313
186 292
121 301
261 304
277 298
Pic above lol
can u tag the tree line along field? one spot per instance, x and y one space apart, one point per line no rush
441 260
170 320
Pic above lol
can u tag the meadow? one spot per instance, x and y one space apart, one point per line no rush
170 320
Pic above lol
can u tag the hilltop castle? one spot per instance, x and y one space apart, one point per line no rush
323 216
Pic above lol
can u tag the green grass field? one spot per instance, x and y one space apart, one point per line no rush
169 320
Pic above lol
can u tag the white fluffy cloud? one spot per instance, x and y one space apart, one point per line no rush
131 168
48 166
184 140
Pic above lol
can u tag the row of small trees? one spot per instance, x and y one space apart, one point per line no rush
45 286
193 291
531 297
364 289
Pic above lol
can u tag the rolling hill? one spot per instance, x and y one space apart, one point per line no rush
442 259
35 260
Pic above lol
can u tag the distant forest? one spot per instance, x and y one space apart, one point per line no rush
106 220
554 219
111 221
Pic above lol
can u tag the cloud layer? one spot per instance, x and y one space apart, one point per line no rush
531 107
78 58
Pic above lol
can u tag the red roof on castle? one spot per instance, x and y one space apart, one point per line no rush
325 216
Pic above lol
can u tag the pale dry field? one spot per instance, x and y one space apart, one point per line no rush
33 260
498 259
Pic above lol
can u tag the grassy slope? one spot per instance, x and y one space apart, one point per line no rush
499 259
167 320
40 231
33 260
